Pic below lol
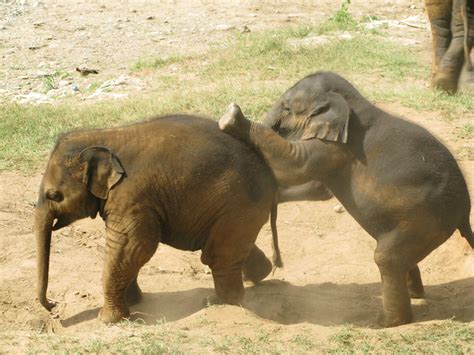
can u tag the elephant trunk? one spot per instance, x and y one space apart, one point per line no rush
288 160
43 227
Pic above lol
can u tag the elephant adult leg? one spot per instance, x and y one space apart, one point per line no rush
439 15
450 65
133 295
257 266
124 258
415 285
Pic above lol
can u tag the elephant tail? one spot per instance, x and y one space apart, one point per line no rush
277 262
466 231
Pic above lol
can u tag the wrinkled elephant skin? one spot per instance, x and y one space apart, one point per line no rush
398 181
177 180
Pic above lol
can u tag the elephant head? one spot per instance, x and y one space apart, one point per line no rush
310 109
75 181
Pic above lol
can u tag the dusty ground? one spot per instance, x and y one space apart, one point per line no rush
329 278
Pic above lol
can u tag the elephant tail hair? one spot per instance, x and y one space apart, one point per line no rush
466 231
277 262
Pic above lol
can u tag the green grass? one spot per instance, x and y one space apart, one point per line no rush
156 63
252 69
444 337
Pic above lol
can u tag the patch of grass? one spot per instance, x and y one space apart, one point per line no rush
466 131
443 338
156 63
51 81
446 337
303 342
450 106
341 20
273 55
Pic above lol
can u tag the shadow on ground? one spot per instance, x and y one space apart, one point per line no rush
322 304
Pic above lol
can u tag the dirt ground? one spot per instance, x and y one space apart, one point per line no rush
329 278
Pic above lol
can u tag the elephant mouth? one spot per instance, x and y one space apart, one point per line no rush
61 222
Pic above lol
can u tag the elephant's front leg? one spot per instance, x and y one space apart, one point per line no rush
124 256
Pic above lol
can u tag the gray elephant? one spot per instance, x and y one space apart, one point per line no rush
452 29
398 181
177 180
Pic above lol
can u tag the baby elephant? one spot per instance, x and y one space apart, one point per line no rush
176 180
398 181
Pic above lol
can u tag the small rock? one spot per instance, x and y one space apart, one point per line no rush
76 293
84 71
34 47
133 11
339 209
245 29
413 7
150 18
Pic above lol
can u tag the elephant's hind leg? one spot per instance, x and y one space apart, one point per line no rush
257 266
415 285
396 299
228 247
133 295
124 258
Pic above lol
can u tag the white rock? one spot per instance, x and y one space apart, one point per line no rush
339 208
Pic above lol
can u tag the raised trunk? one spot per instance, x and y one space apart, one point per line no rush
43 226
288 160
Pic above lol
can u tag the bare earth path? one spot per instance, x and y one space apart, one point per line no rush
329 278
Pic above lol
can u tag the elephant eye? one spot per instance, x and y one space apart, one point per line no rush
54 195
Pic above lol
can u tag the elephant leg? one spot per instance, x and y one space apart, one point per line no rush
311 191
396 299
450 65
133 294
227 250
415 285
439 15
257 266
124 257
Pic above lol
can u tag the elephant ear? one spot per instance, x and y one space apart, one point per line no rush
329 119
102 170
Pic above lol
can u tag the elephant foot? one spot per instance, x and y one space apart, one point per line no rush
445 82
232 120
391 319
110 314
257 266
